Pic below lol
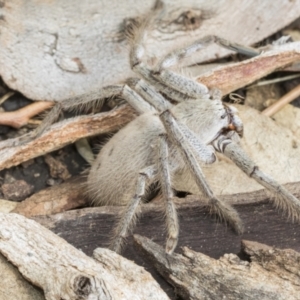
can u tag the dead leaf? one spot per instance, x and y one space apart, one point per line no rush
61 58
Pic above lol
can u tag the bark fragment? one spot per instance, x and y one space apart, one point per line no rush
56 199
269 275
62 134
64 272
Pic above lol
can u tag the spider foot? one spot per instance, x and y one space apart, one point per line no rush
117 244
227 214
171 244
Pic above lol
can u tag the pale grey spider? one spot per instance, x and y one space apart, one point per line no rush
168 139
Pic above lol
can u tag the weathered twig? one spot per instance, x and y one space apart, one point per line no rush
197 276
237 75
64 133
64 272
55 199
287 98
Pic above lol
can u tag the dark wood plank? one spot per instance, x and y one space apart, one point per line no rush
90 228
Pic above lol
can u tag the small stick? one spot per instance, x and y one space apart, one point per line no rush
6 96
287 98
21 116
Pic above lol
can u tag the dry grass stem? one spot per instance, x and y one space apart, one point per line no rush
287 98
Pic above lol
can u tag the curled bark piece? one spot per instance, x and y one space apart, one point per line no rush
197 276
64 272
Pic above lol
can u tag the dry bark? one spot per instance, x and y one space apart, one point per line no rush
80 45
64 133
14 286
271 274
89 228
55 199
234 76
64 272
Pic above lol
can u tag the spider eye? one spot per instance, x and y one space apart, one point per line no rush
223 116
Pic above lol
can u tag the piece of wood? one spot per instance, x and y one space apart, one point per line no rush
66 196
273 274
64 133
80 45
286 99
231 77
89 228
64 272
14 286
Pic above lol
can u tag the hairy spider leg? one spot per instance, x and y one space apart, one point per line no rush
130 214
283 199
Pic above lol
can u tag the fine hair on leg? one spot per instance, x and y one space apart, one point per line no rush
131 212
167 193
224 211
282 200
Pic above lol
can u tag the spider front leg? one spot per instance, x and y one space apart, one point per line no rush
183 84
189 152
283 199
175 57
